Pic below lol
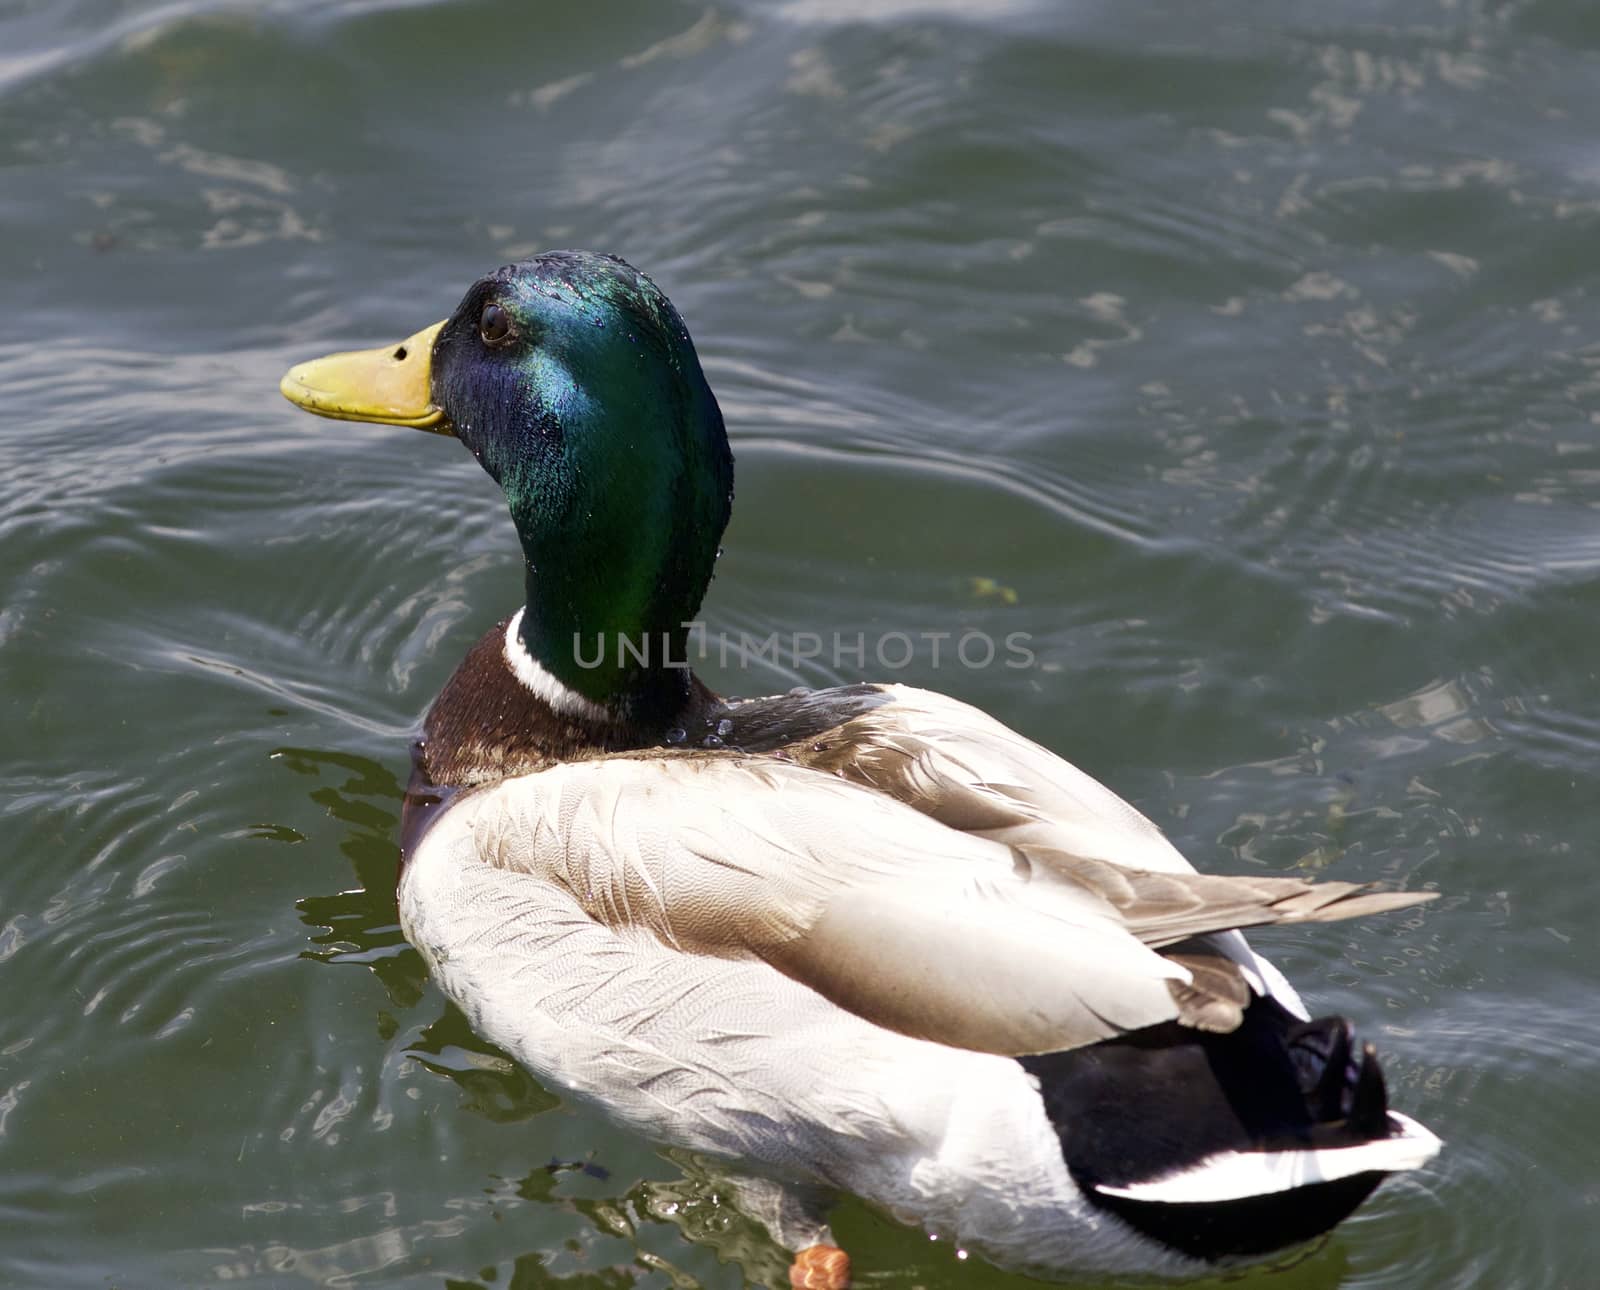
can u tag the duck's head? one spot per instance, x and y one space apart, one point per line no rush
574 382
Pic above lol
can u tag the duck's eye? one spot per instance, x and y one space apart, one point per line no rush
494 325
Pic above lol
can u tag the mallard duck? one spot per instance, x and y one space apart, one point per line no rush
864 938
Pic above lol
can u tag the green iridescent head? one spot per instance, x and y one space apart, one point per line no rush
574 382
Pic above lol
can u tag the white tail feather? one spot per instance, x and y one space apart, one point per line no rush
1232 1175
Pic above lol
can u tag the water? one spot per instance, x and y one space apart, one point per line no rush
1245 360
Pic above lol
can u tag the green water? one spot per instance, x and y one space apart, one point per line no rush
1245 357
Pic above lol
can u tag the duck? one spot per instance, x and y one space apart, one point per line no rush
863 939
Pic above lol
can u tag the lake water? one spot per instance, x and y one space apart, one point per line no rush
1247 358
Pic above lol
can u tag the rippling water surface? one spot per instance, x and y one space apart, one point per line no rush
1246 358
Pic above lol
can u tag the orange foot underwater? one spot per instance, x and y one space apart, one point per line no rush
820 1267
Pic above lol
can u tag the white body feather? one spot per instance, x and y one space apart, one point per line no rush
735 1059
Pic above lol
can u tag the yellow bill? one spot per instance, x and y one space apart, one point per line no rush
391 385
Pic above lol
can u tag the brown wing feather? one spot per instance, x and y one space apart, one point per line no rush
1164 908
1216 994
962 768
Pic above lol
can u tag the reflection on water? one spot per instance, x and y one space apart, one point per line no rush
494 1086
362 924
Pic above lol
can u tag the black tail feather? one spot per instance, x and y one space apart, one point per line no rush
1156 1101
1369 1099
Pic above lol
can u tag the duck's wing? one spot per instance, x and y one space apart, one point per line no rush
914 926
958 765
